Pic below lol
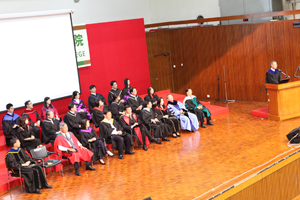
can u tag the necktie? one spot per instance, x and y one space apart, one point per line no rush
71 142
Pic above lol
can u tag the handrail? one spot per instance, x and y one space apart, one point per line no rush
227 18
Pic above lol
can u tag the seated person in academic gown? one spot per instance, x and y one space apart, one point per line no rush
135 102
115 91
48 106
98 115
67 145
34 119
10 124
50 127
273 76
81 108
117 108
33 174
126 90
26 135
73 120
93 97
188 120
111 128
148 118
129 121
152 97
163 114
194 106
88 138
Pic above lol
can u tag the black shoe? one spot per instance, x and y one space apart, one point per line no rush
121 157
209 123
174 136
145 148
203 126
130 152
178 135
37 191
102 163
77 172
89 167
158 141
48 187
166 139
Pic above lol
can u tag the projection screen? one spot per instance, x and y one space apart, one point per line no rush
38 57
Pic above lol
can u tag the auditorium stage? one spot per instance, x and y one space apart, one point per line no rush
184 168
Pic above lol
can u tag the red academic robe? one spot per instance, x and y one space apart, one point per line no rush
80 156
136 129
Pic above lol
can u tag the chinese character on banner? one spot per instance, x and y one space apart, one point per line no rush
82 46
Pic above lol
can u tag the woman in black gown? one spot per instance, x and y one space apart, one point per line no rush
33 174
117 108
166 116
26 135
87 137
126 90
152 97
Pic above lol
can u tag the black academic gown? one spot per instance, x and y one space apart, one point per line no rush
143 129
98 116
134 103
160 130
273 77
8 122
106 133
198 112
73 121
49 129
115 109
172 122
35 129
34 176
113 93
97 147
152 99
22 134
92 100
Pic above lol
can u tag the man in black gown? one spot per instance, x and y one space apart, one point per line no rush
130 121
73 120
135 102
148 118
110 127
10 124
50 128
33 174
273 76
93 97
115 91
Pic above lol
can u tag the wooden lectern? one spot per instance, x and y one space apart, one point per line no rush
284 100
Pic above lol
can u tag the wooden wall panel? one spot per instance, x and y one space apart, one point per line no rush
245 50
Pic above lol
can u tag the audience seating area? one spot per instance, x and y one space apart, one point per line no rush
215 110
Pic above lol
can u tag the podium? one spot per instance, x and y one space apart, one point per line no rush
284 100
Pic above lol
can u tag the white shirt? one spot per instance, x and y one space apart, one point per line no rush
77 100
93 94
62 148
273 69
115 132
50 120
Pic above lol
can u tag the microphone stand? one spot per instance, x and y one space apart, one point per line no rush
218 90
226 100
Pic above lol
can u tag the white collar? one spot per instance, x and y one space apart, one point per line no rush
273 69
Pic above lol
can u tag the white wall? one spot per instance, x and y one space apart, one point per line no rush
94 11
176 10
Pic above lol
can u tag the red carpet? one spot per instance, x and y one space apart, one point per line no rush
262 112
215 110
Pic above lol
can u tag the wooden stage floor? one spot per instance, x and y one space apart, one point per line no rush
184 168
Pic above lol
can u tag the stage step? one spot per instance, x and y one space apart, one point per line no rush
262 112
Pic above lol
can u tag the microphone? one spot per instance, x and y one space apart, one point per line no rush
286 76
279 70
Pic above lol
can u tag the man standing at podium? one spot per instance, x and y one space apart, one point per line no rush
273 76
